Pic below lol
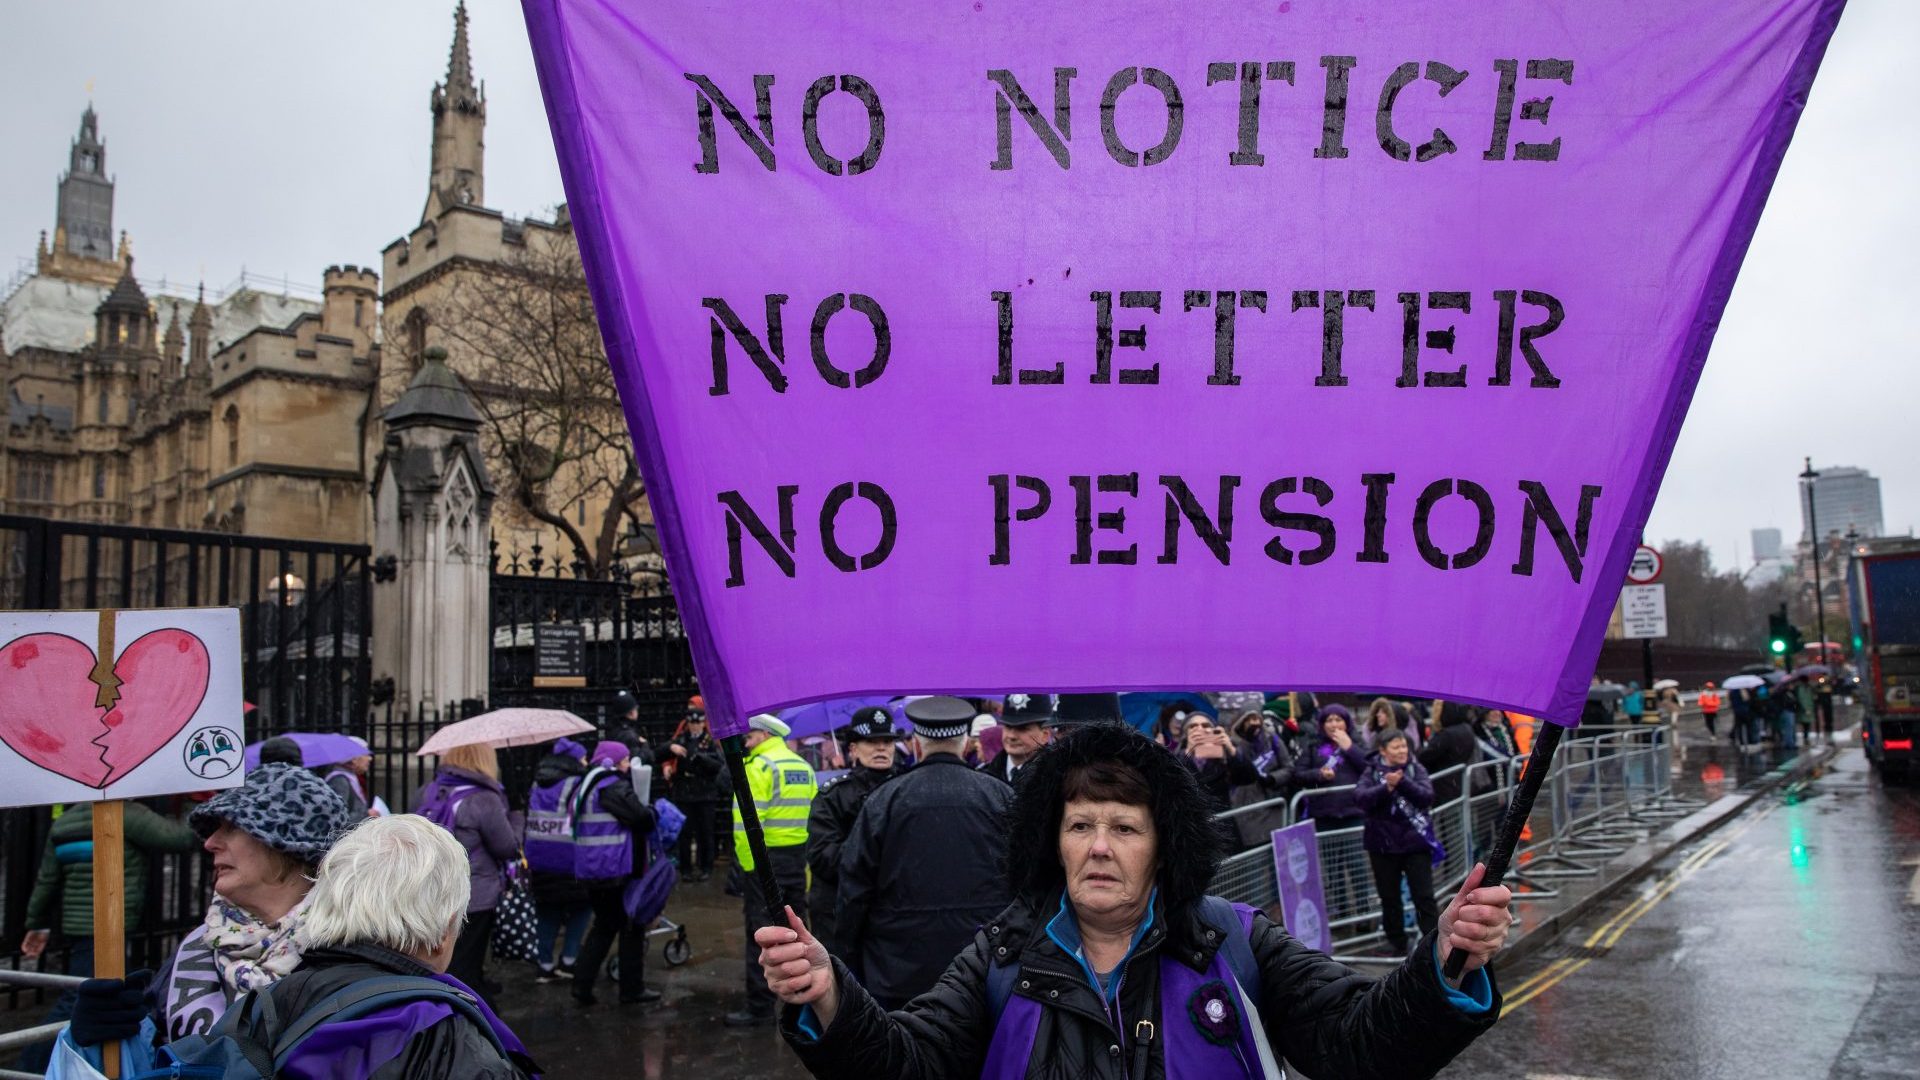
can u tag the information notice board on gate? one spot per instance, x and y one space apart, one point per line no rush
970 346
559 655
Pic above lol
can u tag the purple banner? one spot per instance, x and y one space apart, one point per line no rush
971 346
1296 869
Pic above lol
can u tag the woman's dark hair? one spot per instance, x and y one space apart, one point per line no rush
1392 734
1112 762
1106 781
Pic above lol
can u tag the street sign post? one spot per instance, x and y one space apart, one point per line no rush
1643 611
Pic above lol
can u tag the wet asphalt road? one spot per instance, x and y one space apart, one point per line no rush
1784 944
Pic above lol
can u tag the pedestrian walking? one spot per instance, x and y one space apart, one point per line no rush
611 827
1823 704
1787 713
923 867
1112 850
1024 730
1742 702
1400 839
560 901
65 882
1710 709
1806 702
466 798
782 788
870 738
698 783
266 839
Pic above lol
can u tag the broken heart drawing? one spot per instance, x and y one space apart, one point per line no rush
92 716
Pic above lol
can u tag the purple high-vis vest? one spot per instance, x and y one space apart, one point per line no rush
603 848
1205 1025
550 843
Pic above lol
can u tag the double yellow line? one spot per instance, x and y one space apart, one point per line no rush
1610 932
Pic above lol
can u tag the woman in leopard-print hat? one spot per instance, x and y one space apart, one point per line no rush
266 838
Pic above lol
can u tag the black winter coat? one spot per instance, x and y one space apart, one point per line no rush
1453 745
1219 776
619 799
920 872
1332 1022
453 1049
700 775
829 822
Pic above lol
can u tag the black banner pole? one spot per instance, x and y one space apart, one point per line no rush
735 748
1539 764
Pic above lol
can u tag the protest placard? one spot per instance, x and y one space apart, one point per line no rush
118 704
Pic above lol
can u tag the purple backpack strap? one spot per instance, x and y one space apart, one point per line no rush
1016 1027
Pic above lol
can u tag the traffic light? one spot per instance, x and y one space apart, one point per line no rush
1783 638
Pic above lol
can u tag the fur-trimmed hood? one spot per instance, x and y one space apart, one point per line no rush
1191 841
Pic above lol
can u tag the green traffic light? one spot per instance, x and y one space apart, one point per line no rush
1779 647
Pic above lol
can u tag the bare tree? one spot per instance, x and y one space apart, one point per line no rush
531 349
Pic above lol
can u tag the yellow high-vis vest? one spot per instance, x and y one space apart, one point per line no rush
782 785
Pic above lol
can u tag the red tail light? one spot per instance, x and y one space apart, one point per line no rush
1897 744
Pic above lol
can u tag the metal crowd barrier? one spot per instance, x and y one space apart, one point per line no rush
1609 786
25 1037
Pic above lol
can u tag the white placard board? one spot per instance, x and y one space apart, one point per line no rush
164 717
1643 611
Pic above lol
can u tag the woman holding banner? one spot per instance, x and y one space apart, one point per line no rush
1113 962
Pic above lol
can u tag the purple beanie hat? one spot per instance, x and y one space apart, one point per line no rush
610 753
566 747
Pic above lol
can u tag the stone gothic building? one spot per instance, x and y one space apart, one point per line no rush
246 413
457 281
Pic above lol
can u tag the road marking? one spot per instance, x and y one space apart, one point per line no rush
1613 929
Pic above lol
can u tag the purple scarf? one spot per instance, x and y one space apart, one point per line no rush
355 1049
1204 1026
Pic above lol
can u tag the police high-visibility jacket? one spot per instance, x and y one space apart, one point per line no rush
781 783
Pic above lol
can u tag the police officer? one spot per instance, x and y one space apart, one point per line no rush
699 783
781 784
921 870
870 740
1023 731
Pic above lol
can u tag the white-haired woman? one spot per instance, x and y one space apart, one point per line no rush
390 899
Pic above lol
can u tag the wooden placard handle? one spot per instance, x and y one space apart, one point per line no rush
109 907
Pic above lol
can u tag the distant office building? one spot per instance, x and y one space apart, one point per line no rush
1844 498
1766 544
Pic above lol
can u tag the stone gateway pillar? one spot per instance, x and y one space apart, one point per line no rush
432 500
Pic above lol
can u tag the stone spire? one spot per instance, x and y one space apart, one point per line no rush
174 344
200 332
460 90
459 126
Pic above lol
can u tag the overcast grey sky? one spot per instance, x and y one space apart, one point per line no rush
285 137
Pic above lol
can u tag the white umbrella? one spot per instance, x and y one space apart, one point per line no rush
1744 682
505 727
1666 684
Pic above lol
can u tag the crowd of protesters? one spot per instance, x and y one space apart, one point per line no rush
893 862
